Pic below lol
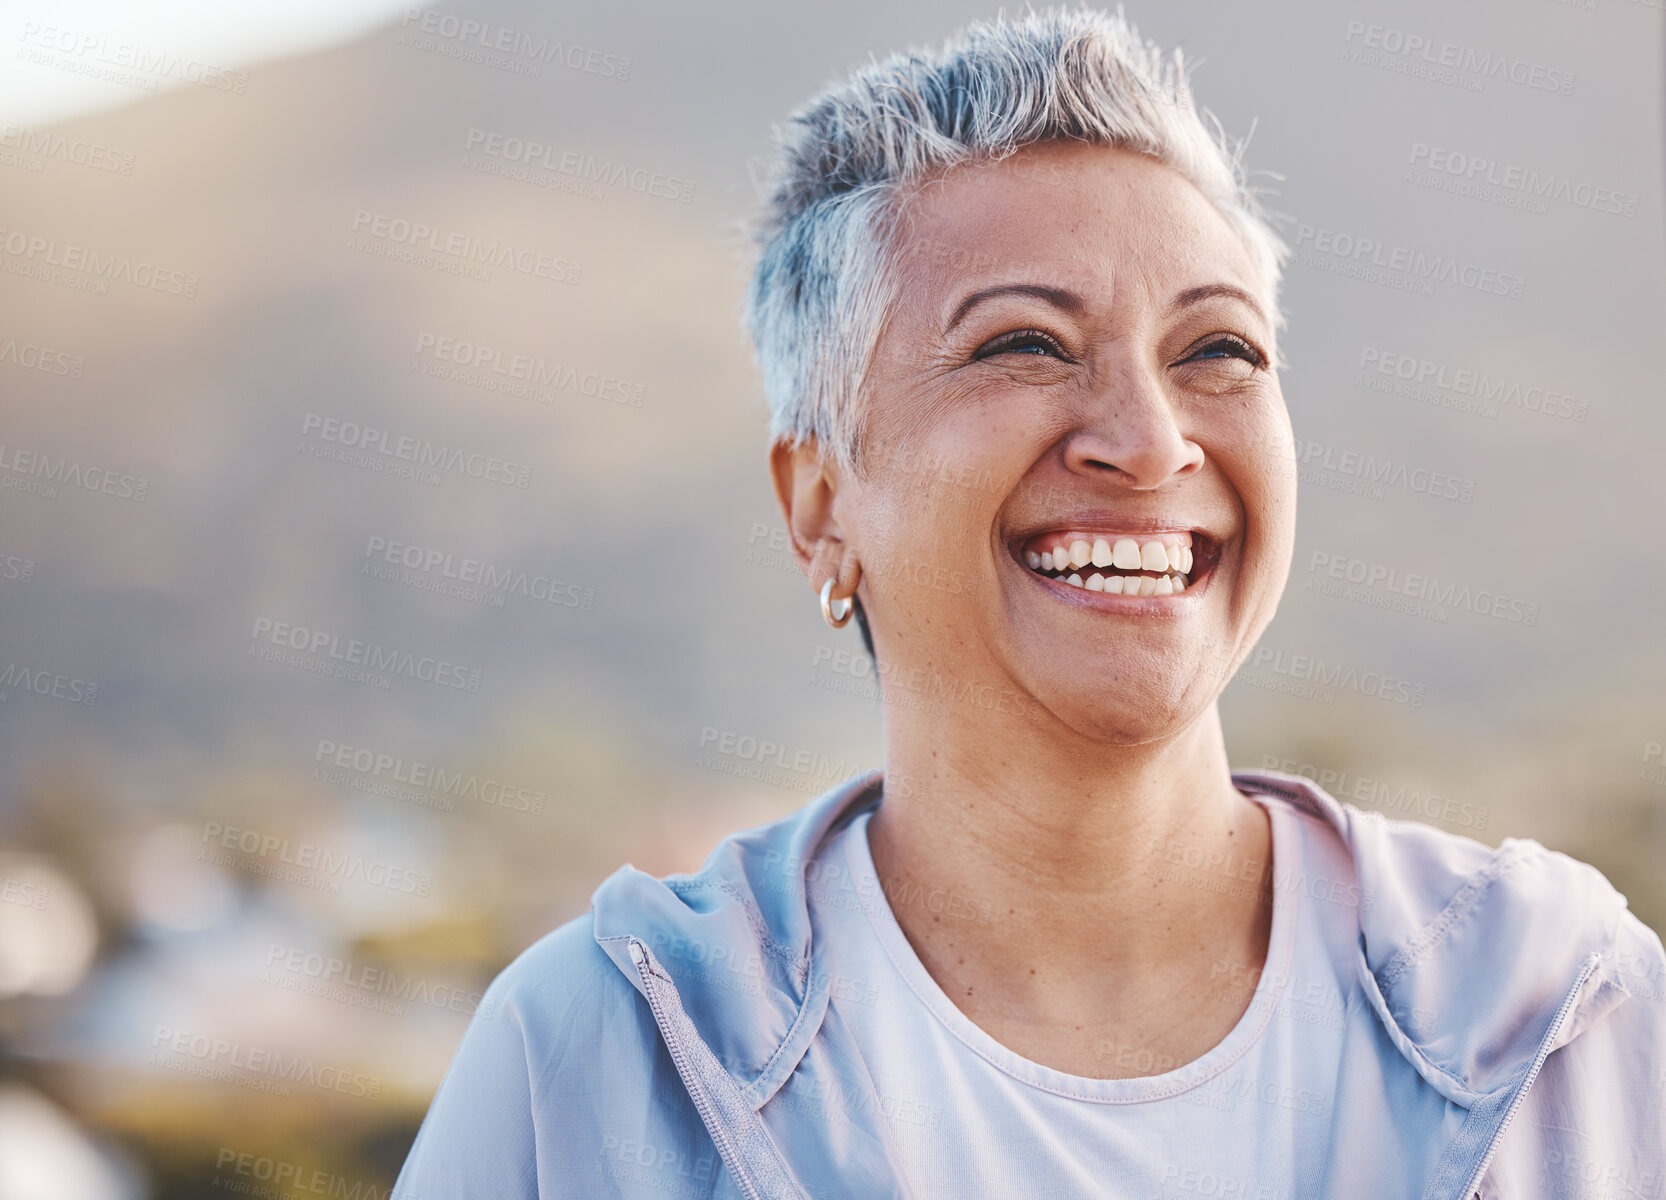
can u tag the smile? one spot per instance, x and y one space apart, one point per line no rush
1152 564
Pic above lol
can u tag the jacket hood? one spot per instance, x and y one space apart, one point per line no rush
1470 956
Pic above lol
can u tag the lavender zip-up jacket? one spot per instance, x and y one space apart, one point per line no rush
676 1041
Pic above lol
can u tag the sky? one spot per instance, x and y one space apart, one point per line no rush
205 34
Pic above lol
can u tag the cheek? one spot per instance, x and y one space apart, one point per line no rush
1269 499
926 529
948 480
915 576
932 513
1260 451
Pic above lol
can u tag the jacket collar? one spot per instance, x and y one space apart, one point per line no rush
1444 923
735 937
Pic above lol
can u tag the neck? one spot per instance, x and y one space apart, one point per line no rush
1056 819
1069 846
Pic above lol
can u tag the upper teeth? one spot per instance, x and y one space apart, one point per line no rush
1166 555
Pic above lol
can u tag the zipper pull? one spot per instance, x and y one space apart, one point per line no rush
636 952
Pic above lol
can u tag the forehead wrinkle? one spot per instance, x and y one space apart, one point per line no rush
1132 255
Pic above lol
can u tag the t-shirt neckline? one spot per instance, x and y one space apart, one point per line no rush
1237 1042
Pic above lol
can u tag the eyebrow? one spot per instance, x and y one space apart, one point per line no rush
1072 303
1210 290
1058 297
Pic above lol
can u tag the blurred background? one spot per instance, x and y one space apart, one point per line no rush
387 553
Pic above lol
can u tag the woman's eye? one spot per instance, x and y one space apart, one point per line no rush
1022 341
1228 346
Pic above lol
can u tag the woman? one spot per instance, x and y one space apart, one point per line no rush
1016 312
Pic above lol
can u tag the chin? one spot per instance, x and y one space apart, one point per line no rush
1133 710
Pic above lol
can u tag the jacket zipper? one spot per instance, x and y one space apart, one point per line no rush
679 1057
1533 1072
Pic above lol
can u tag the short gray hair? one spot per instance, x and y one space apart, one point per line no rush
844 161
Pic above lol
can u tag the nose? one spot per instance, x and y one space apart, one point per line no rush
1129 429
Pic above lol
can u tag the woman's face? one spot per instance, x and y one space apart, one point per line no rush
1076 358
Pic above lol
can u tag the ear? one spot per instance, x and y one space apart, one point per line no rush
806 486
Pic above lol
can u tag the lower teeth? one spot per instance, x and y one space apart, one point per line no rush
1125 585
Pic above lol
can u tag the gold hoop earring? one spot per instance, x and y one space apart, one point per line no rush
843 619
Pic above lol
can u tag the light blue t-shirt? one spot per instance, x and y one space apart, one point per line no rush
1249 1120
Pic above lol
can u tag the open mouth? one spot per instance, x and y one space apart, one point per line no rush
1148 564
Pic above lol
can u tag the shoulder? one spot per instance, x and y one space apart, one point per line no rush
1518 970
555 1064
1518 922
1417 878
1597 1110
560 972
1444 915
561 996
558 992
